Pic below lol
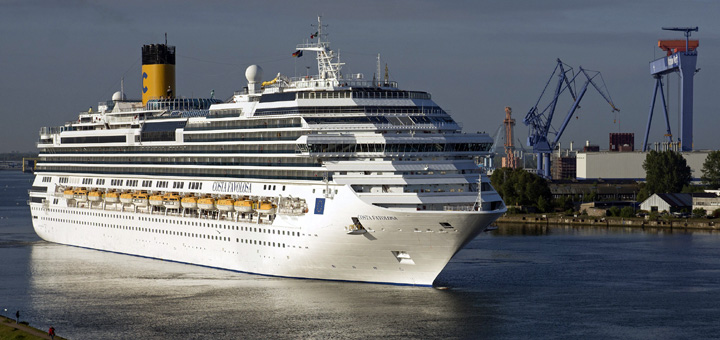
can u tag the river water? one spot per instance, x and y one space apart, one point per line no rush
515 282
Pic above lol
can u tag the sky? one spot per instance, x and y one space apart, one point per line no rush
58 58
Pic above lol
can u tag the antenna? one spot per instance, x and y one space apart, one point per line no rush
378 67
165 38
122 88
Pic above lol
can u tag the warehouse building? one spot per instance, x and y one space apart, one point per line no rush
627 165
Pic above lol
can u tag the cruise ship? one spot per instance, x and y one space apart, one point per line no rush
326 176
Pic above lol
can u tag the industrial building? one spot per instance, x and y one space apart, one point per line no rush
708 201
667 202
628 165
622 142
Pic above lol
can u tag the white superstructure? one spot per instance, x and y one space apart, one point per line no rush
325 177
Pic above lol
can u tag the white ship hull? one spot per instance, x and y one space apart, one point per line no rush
408 248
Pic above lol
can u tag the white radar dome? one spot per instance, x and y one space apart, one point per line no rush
254 74
118 96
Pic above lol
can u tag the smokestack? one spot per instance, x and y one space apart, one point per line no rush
158 72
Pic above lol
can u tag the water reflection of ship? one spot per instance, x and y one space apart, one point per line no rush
117 294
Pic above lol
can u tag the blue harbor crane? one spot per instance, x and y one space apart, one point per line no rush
682 58
540 121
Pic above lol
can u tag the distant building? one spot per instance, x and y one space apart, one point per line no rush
667 202
622 142
708 201
615 190
563 167
628 165
591 148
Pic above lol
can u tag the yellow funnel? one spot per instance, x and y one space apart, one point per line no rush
158 72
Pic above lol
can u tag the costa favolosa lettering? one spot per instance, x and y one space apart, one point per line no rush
239 187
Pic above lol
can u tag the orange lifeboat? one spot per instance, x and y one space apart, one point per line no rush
226 204
189 202
244 206
140 199
94 195
126 197
81 195
69 193
266 207
156 200
171 200
206 203
112 196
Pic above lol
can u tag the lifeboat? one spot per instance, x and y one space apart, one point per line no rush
140 199
171 201
126 197
94 195
189 202
206 203
69 193
156 200
226 204
266 207
112 196
243 206
81 195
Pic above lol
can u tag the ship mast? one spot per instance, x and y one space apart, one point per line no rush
327 68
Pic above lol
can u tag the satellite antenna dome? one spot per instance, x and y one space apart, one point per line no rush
254 74
118 96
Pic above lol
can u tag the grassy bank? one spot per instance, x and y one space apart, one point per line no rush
9 330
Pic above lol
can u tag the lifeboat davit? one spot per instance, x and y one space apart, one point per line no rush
112 196
94 195
140 199
226 204
69 193
189 202
243 206
206 203
81 195
266 207
126 197
156 200
171 201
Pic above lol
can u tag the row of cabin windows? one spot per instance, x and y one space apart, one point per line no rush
372 93
286 147
396 148
241 161
367 110
169 232
182 171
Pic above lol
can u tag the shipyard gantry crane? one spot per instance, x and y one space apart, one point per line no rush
682 58
540 121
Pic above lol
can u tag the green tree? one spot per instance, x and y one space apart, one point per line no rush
699 212
565 203
665 172
519 187
543 204
627 212
711 170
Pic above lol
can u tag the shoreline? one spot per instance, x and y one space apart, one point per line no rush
556 219
11 330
